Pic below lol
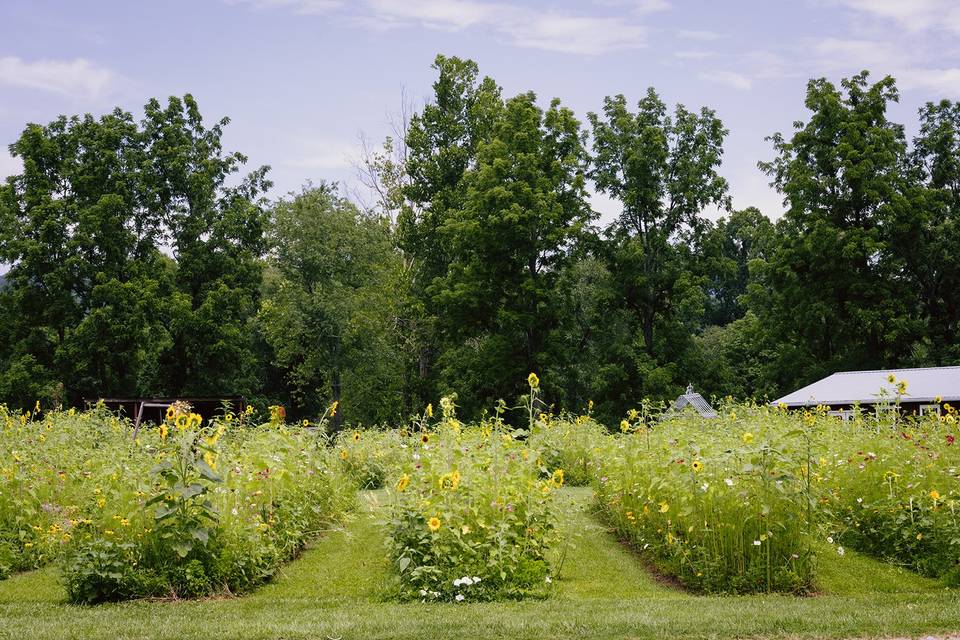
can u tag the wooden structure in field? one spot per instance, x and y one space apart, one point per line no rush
154 409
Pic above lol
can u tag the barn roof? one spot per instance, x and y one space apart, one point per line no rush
695 400
863 387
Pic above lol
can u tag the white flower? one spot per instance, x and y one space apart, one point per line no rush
840 551
830 539
476 579
458 582
756 543
548 580
729 482
459 597
705 486
423 592
859 500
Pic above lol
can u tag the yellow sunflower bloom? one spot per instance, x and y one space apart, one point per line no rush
433 523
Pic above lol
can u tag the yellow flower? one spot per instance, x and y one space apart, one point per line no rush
343 454
425 438
590 405
433 523
697 466
228 417
163 431
664 507
403 483
171 413
429 410
938 399
891 378
356 436
557 478
36 408
450 481
919 536
935 495
181 422
624 426
210 460
533 381
747 438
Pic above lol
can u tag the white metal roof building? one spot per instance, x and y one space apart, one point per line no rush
691 398
846 388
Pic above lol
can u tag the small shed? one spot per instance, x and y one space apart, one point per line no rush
927 390
691 398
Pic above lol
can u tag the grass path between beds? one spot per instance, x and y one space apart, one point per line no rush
602 591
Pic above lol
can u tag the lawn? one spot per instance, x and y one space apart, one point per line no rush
602 591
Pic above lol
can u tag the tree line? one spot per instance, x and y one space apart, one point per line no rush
144 261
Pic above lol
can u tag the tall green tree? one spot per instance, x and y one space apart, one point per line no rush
441 146
330 307
830 294
662 169
524 207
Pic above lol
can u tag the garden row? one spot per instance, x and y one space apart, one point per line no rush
187 509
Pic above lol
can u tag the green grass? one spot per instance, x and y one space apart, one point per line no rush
602 591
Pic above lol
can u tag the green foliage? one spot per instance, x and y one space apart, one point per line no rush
470 519
329 306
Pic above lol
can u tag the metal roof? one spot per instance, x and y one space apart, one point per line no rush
863 387
695 400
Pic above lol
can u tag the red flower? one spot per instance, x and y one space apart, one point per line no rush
950 440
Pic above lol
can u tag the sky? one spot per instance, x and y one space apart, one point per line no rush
303 80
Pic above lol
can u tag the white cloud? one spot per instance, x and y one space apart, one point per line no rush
75 77
944 81
324 154
302 7
698 34
548 30
864 54
9 165
693 55
913 15
729 79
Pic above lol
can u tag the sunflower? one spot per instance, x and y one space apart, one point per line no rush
171 413
935 495
429 411
403 482
664 507
163 431
697 466
747 438
343 454
450 481
557 478
533 381
891 378
356 436
433 523
182 421
425 438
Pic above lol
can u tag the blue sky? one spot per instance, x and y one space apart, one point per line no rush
303 79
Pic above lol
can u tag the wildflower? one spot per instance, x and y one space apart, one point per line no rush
464 530
589 408
935 495
343 454
938 399
171 413
425 438
459 597
181 422
429 410
356 436
36 407
891 378
450 481
950 439
728 482
840 551
548 579
664 507
533 381
403 482
919 536
333 407
756 543
830 539
747 438
557 478
228 417
697 466
624 426
433 523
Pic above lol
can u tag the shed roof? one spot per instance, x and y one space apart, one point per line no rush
695 400
863 387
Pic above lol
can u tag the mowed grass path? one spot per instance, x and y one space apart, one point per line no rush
602 591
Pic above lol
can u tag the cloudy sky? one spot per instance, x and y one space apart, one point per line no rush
302 80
